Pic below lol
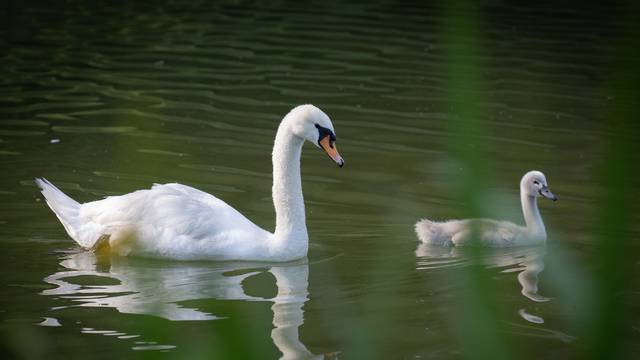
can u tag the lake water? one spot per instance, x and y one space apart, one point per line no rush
103 99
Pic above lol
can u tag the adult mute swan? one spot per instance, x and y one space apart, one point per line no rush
179 222
491 232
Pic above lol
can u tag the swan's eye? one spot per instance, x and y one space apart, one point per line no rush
324 132
536 182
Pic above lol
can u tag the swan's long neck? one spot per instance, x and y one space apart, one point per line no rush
535 226
291 230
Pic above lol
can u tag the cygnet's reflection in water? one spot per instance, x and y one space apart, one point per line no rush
527 261
157 288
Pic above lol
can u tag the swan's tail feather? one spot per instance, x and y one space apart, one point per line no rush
430 232
65 208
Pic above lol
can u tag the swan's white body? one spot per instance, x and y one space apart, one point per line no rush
494 233
179 222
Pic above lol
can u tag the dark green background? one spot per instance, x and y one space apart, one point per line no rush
438 110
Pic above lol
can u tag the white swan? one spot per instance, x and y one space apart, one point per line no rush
491 232
179 222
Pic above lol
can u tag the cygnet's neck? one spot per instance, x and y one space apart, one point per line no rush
290 235
535 226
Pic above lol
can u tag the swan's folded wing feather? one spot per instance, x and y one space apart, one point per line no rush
192 212
168 216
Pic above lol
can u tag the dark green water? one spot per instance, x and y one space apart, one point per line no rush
106 98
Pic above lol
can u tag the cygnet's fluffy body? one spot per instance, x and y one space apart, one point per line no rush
494 233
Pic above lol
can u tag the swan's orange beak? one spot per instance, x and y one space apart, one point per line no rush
329 146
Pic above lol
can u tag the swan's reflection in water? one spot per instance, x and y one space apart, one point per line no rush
292 285
528 262
157 288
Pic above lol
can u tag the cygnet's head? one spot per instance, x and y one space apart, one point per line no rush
534 184
312 124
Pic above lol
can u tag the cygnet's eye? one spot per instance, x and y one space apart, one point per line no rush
536 182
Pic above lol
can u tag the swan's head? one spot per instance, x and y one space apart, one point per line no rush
312 124
534 184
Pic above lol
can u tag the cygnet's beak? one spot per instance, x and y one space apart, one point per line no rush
329 146
547 193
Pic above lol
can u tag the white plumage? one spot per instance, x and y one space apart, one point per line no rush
179 222
489 232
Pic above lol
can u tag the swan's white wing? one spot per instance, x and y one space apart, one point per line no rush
190 211
172 220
